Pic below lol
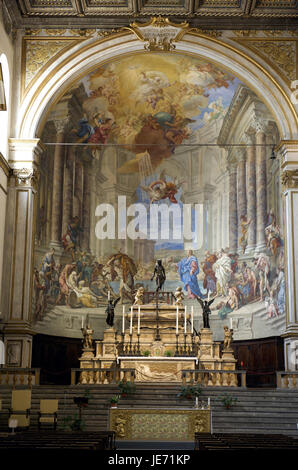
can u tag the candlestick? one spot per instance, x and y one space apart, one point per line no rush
192 319
185 319
139 319
177 320
123 319
130 327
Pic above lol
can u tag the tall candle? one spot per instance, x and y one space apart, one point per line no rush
208 401
130 327
139 319
192 319
82 323
185 319
208 295
123 319
231 323
177 315
109 295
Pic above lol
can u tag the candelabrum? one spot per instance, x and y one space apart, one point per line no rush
177 345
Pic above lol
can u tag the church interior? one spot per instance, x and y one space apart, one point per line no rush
148 225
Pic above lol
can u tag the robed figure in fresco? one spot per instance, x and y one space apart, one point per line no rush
188 269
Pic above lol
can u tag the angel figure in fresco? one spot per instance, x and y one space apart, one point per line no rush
161 189
244 224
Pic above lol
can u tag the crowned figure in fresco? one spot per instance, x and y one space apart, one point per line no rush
188 269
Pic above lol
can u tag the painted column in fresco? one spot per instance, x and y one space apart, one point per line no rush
57 195
251 193
67 189
233 226
261 184
85 243
241 191
17 285
78 189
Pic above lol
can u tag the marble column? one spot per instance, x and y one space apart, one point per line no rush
251 194
241 191
78 189
288 156
57 195
17 284
261 185
233 226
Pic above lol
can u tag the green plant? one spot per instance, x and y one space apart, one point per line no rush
114 399
126 388
74 423
228 400
190 391
168 353
146 353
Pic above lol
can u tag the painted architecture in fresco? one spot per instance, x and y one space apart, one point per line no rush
153 130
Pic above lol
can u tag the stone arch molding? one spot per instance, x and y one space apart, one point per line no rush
85 56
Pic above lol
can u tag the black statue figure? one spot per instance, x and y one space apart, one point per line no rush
160 274
110 310
205 304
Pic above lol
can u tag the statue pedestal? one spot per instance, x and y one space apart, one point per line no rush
86 362
229 363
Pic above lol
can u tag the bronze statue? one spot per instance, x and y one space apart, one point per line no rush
205 304
110 311
160 274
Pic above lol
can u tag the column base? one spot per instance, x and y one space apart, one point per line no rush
291 353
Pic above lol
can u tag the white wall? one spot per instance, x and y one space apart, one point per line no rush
6 60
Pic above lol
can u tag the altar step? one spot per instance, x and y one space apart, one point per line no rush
271 411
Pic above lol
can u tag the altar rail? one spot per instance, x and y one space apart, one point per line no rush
19 376
214 377
287 379
101 376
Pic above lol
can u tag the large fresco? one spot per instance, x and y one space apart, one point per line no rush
136 175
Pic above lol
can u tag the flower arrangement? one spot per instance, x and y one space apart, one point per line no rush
190 391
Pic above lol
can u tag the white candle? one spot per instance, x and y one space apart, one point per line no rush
109 295
123 319
192 319
208 401
185 319
208 295
130 327
177 315
231 323
197 402
139 319
82 323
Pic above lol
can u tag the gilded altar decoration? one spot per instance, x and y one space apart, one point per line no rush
179 296
158 424
289 179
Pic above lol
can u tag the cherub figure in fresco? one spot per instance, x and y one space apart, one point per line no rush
244 224
162 189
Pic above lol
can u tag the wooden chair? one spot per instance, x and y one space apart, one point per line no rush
20 407
48 413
